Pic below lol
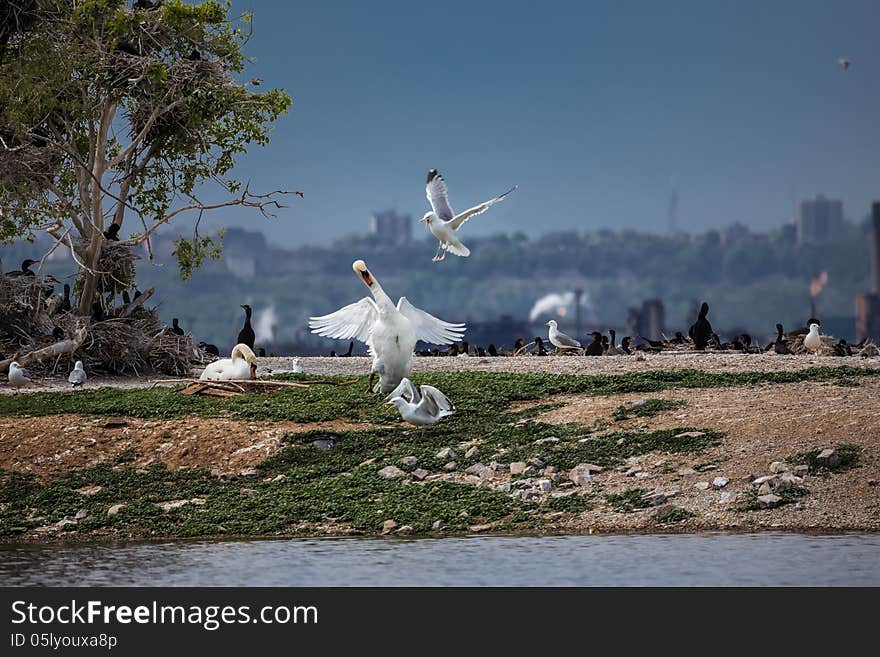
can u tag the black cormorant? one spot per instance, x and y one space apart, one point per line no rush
701 330
246 335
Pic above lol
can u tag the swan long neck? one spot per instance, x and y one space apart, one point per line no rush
382 299
242 351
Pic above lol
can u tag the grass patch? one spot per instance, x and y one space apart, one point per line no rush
789 494
571 504
672 514
849 458
628 501
472 391
649 408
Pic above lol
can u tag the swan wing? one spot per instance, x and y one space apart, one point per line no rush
435 190
427 327
458 220
352 321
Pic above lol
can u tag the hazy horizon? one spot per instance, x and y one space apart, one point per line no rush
596 110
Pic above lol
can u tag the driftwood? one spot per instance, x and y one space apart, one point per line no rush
52 351
234 388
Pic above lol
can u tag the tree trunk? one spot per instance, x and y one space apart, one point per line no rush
91 258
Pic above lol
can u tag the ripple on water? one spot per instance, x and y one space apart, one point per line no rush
629 560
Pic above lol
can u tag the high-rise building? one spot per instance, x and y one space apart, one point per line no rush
819 220
392 228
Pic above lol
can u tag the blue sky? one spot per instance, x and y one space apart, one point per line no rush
595 109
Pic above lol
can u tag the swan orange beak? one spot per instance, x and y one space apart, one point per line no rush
253 371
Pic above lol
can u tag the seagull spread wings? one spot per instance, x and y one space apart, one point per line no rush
439 401
431 401
435 190
405 389
427 327
352 321
477 209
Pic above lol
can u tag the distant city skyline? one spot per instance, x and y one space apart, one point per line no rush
602 113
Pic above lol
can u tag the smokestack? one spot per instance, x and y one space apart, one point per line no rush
875 248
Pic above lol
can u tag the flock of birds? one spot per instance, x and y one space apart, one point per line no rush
391 330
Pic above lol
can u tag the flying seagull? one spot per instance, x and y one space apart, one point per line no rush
844 63
443 223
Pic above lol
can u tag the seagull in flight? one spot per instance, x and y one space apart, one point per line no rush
443 223
844 63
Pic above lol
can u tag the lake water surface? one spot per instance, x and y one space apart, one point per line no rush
630 560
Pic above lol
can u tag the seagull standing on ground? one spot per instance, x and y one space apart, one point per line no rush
77 376
812 341
390 331
443 223
560 340
420 406
18 376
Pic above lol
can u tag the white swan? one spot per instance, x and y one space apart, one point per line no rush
812 341
390 331
241 365
420 406
442 223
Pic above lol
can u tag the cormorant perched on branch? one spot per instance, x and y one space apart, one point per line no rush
175 327
65 300
25 269
112 233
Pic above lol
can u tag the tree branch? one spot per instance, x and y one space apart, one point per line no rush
247 199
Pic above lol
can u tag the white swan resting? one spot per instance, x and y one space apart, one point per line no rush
390 331
242 365
442 223
559 339
420 406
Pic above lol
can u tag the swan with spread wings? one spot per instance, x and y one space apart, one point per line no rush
443 223
390 332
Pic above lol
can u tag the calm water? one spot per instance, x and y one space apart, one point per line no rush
661 560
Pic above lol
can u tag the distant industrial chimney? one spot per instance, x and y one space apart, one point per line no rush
868 304
875 248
